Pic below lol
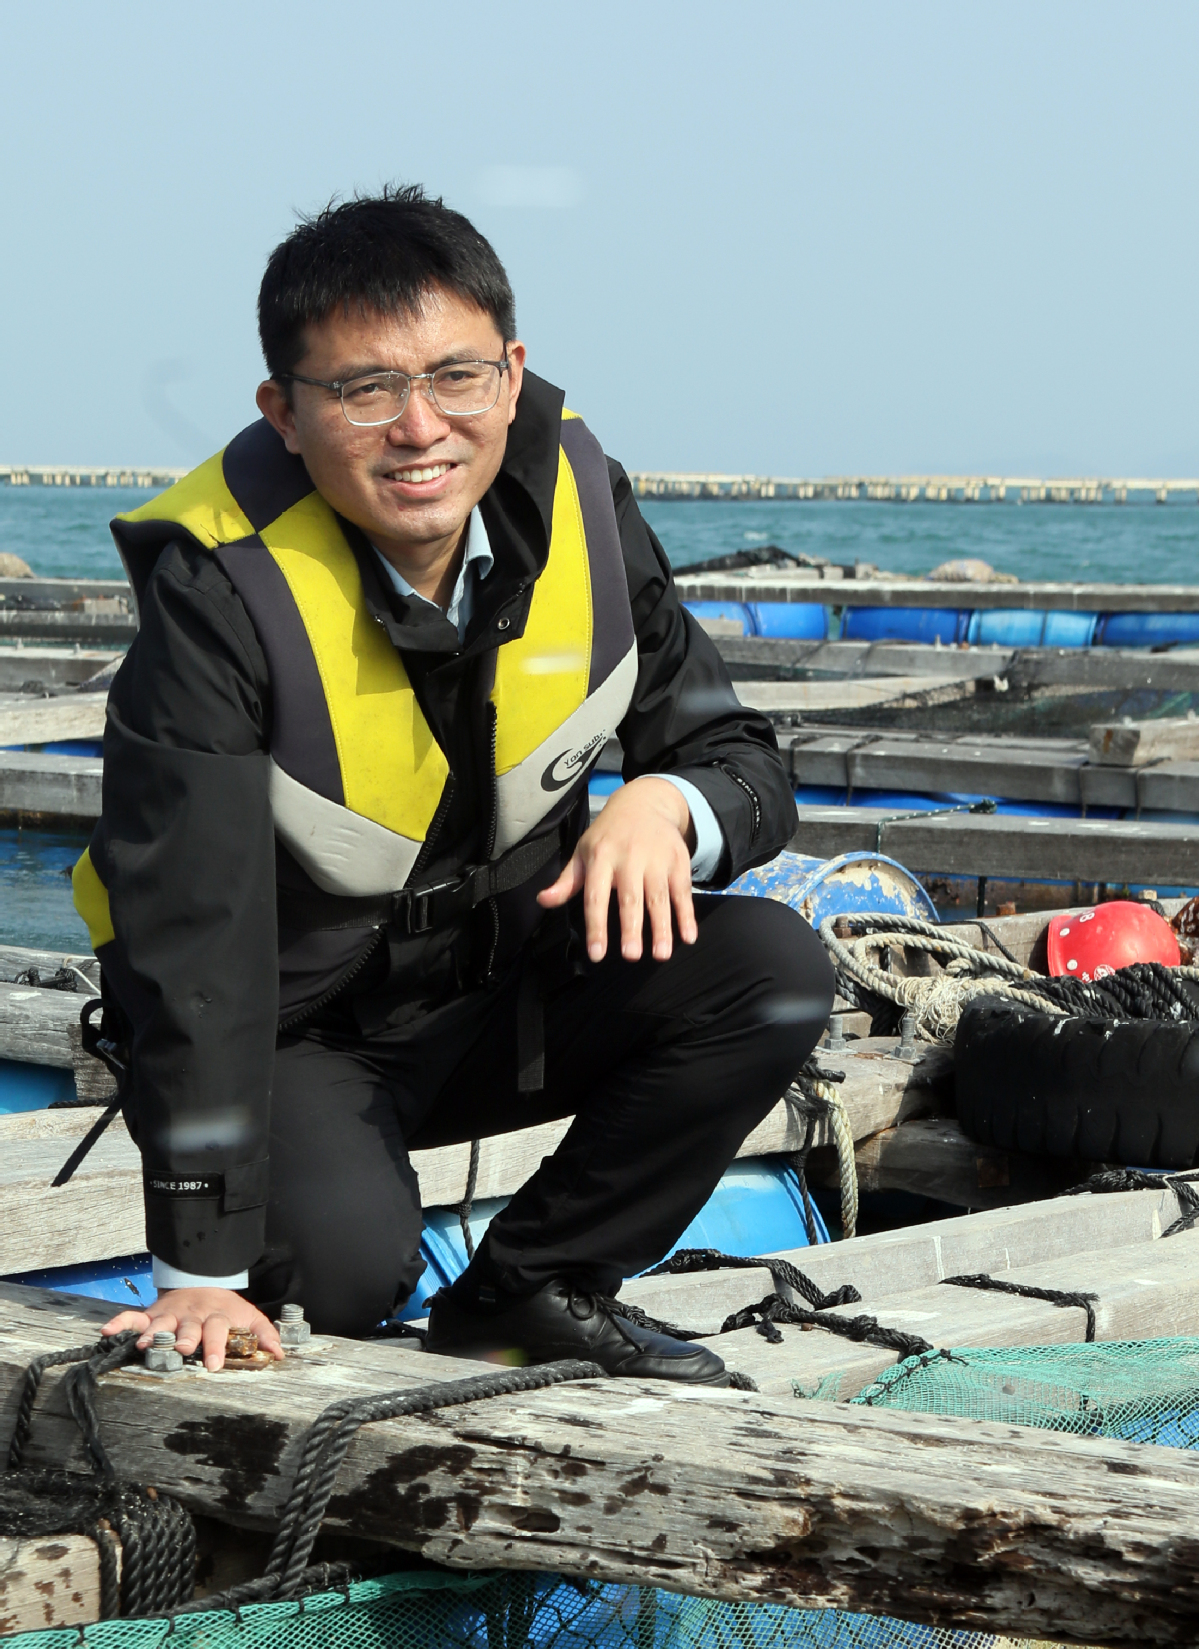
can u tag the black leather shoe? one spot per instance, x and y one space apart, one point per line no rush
562 1322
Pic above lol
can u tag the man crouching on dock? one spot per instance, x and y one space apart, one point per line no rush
345 890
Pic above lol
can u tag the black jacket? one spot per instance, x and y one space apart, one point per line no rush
186 849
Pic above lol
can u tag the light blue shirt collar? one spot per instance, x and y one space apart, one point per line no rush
477 563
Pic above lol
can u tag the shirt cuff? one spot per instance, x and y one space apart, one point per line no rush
166 1276
709 837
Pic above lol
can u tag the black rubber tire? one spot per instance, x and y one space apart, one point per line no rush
1117 1090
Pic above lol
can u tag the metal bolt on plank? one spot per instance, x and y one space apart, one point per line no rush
293 1330
161 1357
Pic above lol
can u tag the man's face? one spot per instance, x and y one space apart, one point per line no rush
373 475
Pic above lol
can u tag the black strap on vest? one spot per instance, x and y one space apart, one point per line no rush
417 910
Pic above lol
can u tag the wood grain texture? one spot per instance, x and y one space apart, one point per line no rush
53 1580
1144 1291
720 1494
35 1024
69 786
1093 850
98 1215
1135 743
38 721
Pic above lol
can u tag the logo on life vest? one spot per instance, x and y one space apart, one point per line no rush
567 767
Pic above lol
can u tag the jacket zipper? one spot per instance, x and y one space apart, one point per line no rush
749 790
323 1001
430 841
492 827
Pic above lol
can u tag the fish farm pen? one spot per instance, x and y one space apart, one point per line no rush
954 1273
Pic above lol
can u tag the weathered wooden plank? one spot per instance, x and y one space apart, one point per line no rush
1145 1290
1047 771
105 629
51 1580
1135 743
35 1024
744 654
98 1215
1093 850
932 1157
717 1493
51 666
67 786
18 959
768 584
1025 667
783 697
64 592
40 721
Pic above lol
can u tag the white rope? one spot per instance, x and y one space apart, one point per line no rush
937 1000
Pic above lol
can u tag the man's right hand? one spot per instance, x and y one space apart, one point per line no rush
199 1316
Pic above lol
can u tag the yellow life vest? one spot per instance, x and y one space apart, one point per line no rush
356 772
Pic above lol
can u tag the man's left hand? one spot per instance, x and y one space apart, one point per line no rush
638 847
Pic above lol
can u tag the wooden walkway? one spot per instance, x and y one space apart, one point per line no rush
1008 846
769 584
762 1497
1019 769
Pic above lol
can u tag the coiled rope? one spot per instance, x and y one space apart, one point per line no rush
1146 990
157 1537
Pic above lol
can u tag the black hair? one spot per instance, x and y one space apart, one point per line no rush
381 252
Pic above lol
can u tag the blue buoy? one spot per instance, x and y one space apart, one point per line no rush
947 625
1147 629
789 620
1021 627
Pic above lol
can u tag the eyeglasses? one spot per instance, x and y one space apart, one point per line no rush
459 390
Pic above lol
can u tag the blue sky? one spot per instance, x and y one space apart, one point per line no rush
787 238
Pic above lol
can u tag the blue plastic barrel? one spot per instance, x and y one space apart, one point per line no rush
846 885
944 624
722 609
1018 627
791 620
32 1087
1147 629
126 1282
756 1209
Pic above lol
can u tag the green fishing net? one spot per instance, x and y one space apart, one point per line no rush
1144 1391
512 1610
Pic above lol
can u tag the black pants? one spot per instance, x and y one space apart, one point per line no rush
666 1068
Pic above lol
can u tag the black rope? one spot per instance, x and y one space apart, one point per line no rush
684 1260
774 1310
325 1448
156 1535
1052 1296
1182 1184
468 1199
62 979
893 1377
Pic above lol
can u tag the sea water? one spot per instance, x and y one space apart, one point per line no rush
62 532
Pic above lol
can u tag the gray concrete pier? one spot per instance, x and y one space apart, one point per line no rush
919 489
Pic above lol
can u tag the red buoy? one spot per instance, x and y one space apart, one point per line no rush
1090 944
